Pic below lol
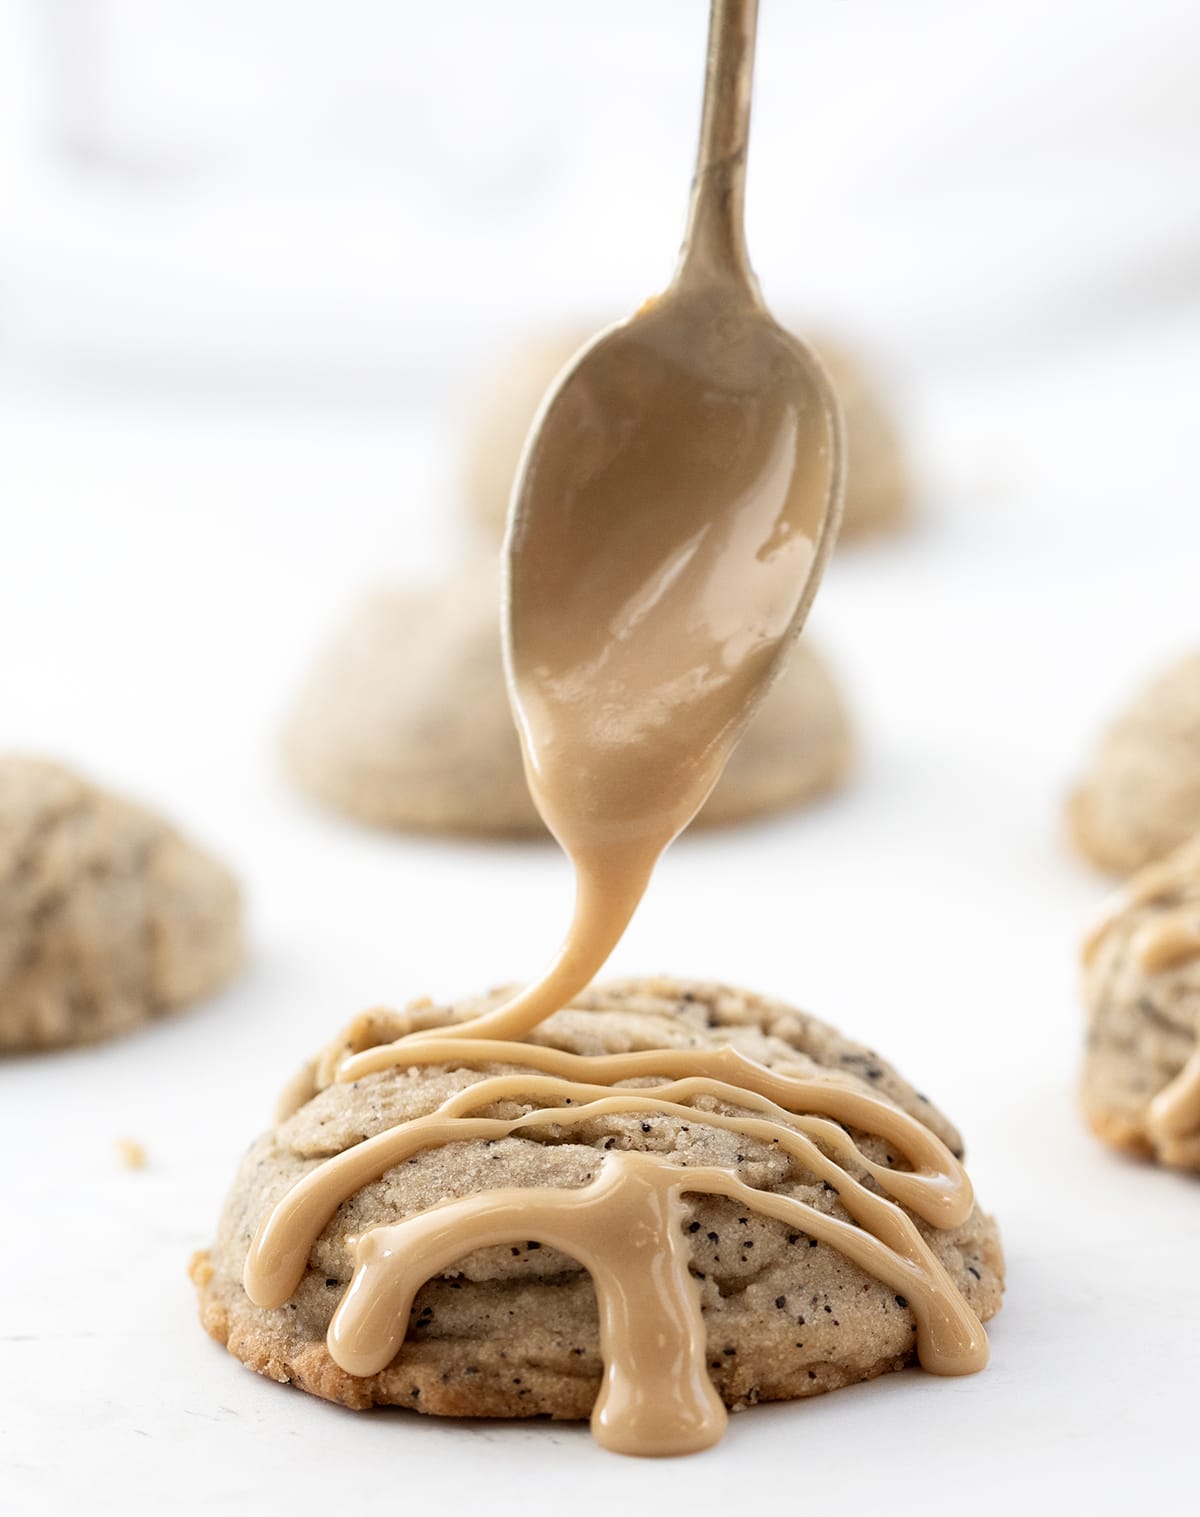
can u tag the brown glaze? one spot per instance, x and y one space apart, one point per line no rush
675 506
1163 942
657 1397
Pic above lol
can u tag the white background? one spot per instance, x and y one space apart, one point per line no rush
254 258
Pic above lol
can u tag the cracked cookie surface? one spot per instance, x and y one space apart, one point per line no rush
108 917
513 1331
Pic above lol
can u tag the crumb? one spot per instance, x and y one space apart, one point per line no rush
200 1267
131 1153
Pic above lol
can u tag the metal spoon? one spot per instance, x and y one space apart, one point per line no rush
674 507
671 411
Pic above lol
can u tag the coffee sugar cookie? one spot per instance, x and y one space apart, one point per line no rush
1141 794
404 722
816 1216
1141 977
878 495
108 917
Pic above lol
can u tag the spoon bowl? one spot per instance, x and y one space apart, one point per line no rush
675 504
696 449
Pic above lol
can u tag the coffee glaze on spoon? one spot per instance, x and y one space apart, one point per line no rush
675 505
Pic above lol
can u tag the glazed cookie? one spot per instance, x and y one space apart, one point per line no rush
1141 796
108 917
511 1330
405 722
877 487
1141 977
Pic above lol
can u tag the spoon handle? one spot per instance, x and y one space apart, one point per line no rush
714 245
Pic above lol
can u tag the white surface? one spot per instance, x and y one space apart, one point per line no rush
176 542
153 626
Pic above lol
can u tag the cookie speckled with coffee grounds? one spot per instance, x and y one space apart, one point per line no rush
405 722
1141 982
108 917
878 494
1141 795
512 1332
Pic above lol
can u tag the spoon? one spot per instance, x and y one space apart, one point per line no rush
673 510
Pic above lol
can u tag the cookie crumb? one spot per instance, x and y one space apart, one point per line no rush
131 1153
200 1268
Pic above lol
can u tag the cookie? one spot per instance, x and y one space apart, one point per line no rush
404 722
512 1331
1141 983
878 488
878 496
108 917
1141 795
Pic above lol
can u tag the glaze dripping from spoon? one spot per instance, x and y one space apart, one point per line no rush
674 508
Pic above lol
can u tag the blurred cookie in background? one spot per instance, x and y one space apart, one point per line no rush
1141 979
878 497
404 722
1140 797
878 494
109 918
